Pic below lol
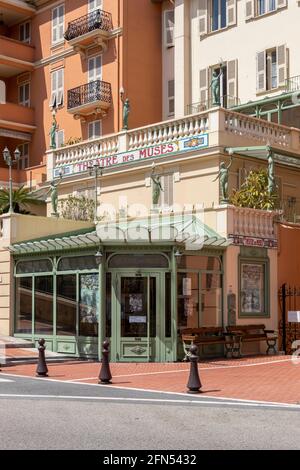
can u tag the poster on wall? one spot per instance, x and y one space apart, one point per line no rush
187 286
89 298
135 303
252 288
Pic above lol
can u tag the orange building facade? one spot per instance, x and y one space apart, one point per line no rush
71 59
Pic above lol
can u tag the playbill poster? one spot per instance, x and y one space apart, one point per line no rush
252 288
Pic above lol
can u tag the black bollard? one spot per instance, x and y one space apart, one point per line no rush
42 369
105 374
194 383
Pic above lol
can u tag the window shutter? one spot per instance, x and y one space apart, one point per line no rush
281 53
203 86
60 138
203 17
232 82
168 190
231 12
281 3
261 71
171 97
250 12
169 28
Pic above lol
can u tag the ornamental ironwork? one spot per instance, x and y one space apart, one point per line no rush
89 93
289 332
96 20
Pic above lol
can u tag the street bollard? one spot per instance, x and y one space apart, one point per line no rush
194 383
42 369
105 374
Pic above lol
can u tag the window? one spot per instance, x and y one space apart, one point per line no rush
218 14
94 5
169 28
23 305
24 157
94 129
171 97
24 94
272 78
95 68
43 305
215 15
253 288
60 138
24 32
58 14
255 8
271 68
57 87
227 95
66 305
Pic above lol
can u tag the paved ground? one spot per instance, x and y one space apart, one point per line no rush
45 414
262 378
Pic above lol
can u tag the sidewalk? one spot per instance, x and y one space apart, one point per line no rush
263 378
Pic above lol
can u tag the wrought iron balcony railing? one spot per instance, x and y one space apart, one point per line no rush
97 19
90 93
293 84
226 101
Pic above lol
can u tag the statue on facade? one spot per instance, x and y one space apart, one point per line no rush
52 133
224 177
215 87
54 196
156 188
126 111
271 173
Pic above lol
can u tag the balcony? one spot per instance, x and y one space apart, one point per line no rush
91 98
226 101
15 57
221 127
89 30
16 121
247 227
292 84
16 11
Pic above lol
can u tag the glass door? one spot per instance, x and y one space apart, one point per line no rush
136 319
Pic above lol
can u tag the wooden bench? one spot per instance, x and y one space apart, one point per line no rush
207 335
254 333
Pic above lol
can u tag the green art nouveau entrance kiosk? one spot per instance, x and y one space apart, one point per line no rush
137 294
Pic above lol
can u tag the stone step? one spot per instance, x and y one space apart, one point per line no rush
8 342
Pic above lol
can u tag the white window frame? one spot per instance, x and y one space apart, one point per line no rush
267 7
22 32
60 138
24 102
170 98
91 129
23 162
57 92
94 76
58 24
219 28
169 29
97 5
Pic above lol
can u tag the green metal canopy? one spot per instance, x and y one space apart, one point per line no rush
186 229
261 152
